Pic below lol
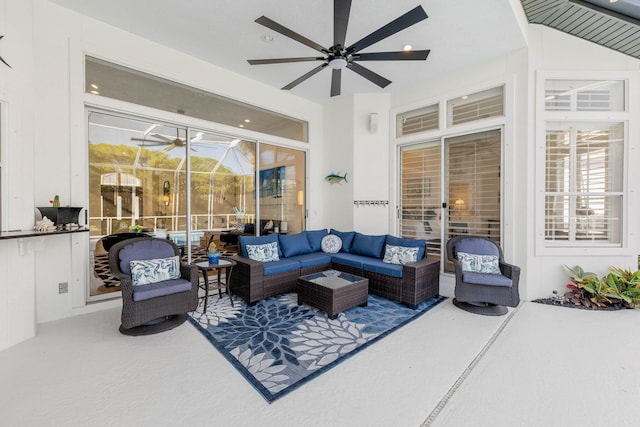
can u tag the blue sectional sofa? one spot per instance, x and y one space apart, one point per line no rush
301 254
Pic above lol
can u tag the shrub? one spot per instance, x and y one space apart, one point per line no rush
618 287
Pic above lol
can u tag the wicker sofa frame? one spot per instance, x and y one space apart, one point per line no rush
420 280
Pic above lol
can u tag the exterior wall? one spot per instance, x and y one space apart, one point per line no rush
509 70
554 54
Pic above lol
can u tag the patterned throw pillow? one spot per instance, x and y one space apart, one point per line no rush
479 263
400 254
144 272
263 253
331 244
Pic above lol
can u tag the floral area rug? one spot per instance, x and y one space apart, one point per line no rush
278 345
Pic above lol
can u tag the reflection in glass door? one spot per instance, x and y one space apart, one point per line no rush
281 190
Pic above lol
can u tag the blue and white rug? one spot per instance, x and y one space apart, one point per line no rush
278 345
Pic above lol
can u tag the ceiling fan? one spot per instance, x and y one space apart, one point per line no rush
338 56
163 140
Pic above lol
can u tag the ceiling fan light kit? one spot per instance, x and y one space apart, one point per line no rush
338 57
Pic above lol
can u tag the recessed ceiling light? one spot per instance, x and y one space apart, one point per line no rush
241 125
407 48
464 97
93 85
95 92
267 38
247 121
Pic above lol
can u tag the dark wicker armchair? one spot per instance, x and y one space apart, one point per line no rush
154 307
481 292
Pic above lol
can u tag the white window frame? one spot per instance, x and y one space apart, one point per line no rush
552 248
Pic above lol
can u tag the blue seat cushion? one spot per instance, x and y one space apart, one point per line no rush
378 266
352 260
486 279
312 259
281 266
158 289
346 237
477 246
148 249
408 243
243 241
367 245
315 239
294 244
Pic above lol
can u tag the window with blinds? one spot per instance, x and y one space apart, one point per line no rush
584 95
584 167
476 106
416 121
420 201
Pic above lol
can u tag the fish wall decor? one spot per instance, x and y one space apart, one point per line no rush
334 178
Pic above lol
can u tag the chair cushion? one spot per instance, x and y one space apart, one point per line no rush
315 238
378 266
331 244
264 252
477 246
147 249
479 263
367 245
294 244
281 266
154 290
486 279
346 237
144 272
421 244
400 254
243 241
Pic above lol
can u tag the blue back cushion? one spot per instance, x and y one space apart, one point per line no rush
243 241
364 244
346 237
294 244
477 246
408 243
315 239
148 249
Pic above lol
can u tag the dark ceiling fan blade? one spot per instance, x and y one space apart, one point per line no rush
336 78
284 60
341 9
149 143
369 75
414 55
263 20
408 19
300 79
162 138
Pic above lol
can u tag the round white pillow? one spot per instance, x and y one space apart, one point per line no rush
331 244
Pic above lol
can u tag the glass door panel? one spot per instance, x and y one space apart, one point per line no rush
473 185
281 189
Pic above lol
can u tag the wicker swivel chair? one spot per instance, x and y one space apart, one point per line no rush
153 307
481 292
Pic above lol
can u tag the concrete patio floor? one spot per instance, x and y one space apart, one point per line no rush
537 366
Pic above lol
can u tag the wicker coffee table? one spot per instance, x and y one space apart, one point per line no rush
333 291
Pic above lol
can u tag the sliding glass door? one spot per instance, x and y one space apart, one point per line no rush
451 187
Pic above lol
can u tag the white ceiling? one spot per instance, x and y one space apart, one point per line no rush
459 33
